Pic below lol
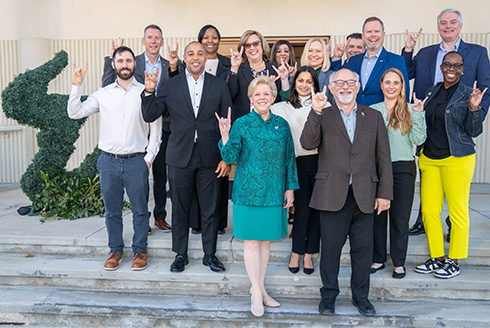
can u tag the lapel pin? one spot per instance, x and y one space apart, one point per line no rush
362 113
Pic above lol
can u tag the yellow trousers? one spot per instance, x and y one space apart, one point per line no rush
449 177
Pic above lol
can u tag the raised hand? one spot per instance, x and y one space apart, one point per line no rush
224 125
329 47
476 97
319 100
282 71
173 57
418 105
339 49
411 40
114 47
151 80
79 74
236 59
272 77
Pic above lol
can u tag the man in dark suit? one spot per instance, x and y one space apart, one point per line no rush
425 67
371 65
355 46
191 100
354 179
149 61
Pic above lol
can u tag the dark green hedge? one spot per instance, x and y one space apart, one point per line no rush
26 100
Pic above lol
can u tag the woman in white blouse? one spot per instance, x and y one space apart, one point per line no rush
306 226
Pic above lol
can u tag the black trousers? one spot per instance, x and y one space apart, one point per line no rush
182 184
306 226
404 173
335 226
195 219
159 168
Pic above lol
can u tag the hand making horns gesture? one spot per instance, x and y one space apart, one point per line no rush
151 81
79 74
476 97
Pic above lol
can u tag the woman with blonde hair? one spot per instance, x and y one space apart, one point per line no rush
406 127
248 62
265 179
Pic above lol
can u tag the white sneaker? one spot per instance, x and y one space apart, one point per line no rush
449 270
430 266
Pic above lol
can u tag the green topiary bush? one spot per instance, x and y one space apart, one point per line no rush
26 100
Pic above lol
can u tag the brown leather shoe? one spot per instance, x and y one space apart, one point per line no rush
112 263
163 226
140 261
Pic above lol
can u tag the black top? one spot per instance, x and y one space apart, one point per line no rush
437 145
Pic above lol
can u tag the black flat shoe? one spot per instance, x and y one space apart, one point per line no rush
397 275
292 269
308 271
374 270
417 229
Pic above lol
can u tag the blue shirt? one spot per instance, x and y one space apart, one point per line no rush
367 66
350 125
441 52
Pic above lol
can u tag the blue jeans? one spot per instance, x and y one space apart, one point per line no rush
115 176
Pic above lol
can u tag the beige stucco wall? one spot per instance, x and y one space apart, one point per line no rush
96 19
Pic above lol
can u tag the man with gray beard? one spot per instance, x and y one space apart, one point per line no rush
354 179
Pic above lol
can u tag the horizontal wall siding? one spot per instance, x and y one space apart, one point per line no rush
14 144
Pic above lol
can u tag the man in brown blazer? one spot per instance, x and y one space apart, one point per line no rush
354 179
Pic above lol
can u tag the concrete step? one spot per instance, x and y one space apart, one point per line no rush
87 273
57 307
228 248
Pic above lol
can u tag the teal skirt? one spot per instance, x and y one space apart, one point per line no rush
259 222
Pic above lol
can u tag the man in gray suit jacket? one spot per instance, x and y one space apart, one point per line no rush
149 61
354 179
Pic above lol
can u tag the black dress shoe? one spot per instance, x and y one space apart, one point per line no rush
448 236
195 231
292 269
178 265
374 270
327 306
221 231
364 306
397 275
417 229
213 263
308 271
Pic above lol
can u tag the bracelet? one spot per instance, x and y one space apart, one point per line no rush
232 73
150 92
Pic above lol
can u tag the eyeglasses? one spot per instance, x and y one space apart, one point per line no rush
254 44
340 83
456 66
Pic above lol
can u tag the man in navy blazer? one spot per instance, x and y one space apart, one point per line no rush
371 64
425 66
191 100
149 61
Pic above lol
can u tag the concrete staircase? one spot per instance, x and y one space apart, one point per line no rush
51 276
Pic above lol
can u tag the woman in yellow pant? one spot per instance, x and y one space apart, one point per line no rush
447 163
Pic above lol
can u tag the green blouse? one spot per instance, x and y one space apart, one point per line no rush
401 146
265 161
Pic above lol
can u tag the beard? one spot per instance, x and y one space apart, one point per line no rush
346 98
125 73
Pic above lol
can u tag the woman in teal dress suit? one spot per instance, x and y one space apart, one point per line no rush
265 179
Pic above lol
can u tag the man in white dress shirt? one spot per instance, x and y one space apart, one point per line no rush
127 152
